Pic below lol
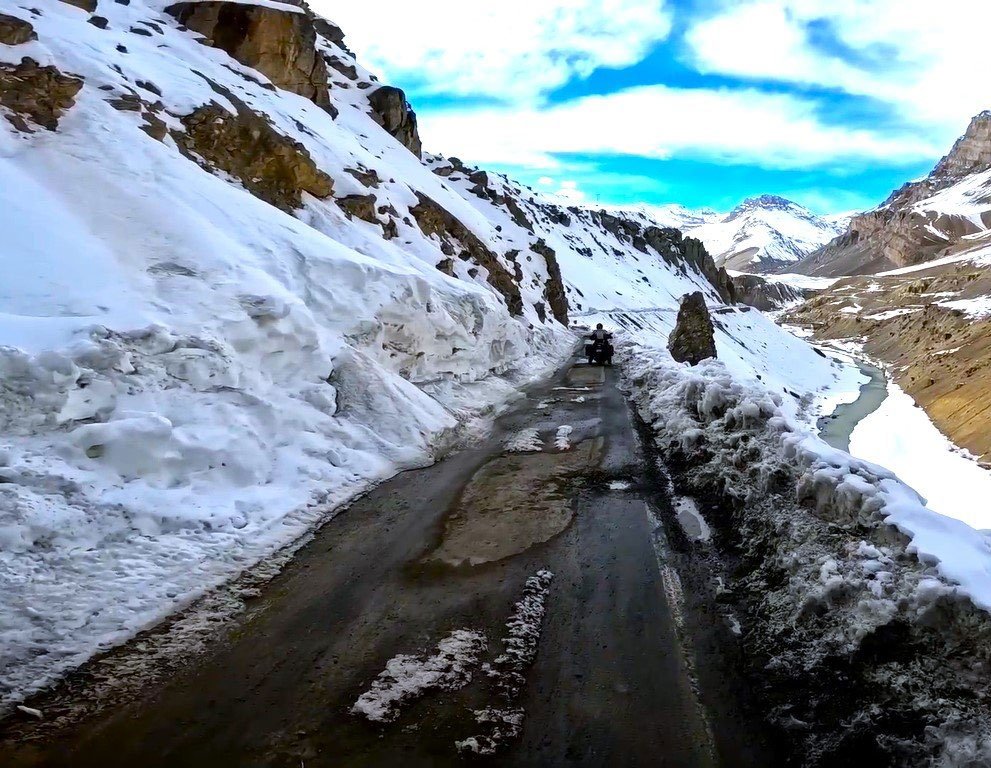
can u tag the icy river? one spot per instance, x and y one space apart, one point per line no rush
885 426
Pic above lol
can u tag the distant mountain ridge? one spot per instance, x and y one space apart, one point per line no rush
762 234
946 213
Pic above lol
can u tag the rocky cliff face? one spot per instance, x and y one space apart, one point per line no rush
764 294
36 96
281 44
245 145
921 221
391 110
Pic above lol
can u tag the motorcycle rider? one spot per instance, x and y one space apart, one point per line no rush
600 339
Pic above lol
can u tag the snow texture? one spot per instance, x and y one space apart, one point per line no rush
951 480
838 552
406 678
508 671
525 441
190 378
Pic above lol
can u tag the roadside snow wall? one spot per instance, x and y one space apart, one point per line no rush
864 613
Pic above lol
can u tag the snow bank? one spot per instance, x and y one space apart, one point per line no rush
191 378
950 479
706 409
844 570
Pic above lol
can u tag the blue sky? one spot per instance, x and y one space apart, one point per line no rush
832 103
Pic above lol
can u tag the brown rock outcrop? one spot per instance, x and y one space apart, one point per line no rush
554 293
279 44
271 166
897 234
35 94
693 338
764 294
15 31
359 206
87 5
391 110
433 219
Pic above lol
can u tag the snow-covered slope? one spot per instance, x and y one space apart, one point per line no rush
946 213
678 216
234 296
764 234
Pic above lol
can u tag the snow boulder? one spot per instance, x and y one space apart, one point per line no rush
693 338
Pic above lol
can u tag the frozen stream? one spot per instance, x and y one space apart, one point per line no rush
885 426
836 428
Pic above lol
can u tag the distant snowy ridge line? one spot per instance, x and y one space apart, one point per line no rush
838 556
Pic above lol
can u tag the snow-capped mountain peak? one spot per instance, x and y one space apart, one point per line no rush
764 233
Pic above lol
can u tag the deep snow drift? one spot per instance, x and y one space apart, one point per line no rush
191 378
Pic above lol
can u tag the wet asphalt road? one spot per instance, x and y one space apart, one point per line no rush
430 552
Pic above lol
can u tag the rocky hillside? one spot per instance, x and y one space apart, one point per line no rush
932 329
945 214
764 234
236 293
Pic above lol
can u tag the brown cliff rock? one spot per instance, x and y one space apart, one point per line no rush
279 44
391 110
35 94
271 166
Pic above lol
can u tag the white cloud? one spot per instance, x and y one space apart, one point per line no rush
927 59
507 49
739 126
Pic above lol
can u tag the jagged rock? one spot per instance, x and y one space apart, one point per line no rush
348 70
367 177
100 22
360 206
896 234
693 338
554 293
331 32
390 230
271 166
670 241
15 31
87 5
279 44
433 219
757 292
36 94
391 110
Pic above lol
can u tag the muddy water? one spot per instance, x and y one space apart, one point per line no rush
837 428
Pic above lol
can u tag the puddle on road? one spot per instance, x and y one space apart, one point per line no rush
585 376
512 503
691 520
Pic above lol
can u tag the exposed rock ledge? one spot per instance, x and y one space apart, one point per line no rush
281 44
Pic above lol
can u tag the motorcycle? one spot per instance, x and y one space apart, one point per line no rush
598 351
